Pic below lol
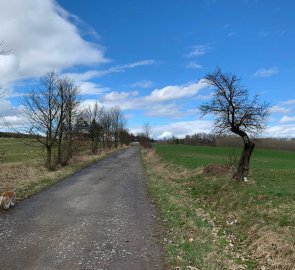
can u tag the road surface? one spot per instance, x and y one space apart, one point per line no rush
98 218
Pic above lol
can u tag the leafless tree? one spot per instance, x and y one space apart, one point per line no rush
43 113
147 129
68 104
118 123
236 113
93 116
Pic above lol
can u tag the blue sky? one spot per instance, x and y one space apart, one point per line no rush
149 57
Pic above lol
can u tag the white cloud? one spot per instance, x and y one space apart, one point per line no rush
264 73
164 110
279 109
194 65
165 135
40 38
176 92
283 131
90 88
289 102
118 96
114 69
143 84
182 128
198 50
287 119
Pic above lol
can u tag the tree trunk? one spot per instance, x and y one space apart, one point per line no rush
49 157
59 149
243 168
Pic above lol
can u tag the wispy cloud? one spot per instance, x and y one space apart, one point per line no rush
289 102
198 50
142 84
171 110
264 72
287 119
90 88
279 109
194 65
114 69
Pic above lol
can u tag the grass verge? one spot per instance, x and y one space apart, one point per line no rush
214 223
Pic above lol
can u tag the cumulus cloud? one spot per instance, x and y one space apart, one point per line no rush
40 37
165 135
176 91
194 65
264 72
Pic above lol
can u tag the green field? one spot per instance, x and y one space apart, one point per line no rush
263 209
273 171
17 150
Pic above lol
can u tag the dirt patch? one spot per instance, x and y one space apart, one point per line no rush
218 170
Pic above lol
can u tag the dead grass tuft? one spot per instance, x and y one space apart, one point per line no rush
173 171
272 250
19 174
218 170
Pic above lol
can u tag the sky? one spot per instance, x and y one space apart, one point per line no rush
149 57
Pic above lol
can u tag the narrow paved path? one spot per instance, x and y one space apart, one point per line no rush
99 218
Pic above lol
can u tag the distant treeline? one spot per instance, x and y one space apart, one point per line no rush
232 141
14 135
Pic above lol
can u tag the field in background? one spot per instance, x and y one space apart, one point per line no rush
255 221
22 166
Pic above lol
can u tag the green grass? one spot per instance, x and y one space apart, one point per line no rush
272 170
17 150
263 206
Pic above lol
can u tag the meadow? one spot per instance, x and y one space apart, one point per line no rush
250 225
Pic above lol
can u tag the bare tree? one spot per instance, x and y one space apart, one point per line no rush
118 123
147 129
236 113
43 113
93 115
68 103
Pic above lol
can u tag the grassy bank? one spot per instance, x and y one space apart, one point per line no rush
248 225
23 167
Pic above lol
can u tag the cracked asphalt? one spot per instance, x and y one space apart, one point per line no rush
98 218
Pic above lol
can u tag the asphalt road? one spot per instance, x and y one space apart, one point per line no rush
99 218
